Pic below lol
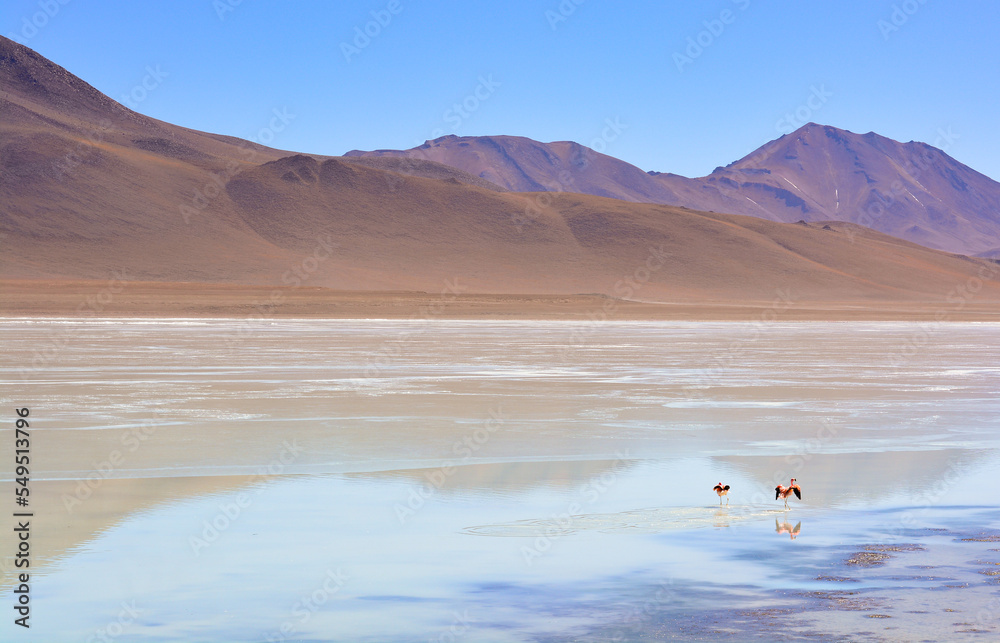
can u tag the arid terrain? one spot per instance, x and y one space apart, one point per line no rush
90 299
913 191
94 193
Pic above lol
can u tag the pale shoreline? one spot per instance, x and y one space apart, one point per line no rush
90 299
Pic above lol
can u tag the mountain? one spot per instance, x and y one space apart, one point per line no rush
520 164
90 190
909 190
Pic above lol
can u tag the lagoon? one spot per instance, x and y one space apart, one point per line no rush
352 480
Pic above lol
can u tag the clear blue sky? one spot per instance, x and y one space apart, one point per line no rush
226 71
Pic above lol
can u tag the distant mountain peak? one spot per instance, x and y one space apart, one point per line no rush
817 172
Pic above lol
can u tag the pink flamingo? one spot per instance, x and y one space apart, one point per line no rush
784 492
722 490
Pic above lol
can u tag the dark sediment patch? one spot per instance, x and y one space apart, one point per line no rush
895 548
876 555
867 559
846 601
993 576
983 537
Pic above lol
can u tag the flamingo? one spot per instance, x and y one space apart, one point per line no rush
722 490
784 492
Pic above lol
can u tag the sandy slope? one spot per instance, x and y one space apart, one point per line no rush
93 191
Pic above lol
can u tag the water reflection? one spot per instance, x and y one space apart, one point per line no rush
786 528
507 477
890 476
650 521
78 512
600 531
722 517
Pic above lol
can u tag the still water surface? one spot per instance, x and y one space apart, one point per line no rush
214 480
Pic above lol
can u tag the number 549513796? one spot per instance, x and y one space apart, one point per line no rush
22 448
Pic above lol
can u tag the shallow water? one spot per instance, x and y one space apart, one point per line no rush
220 480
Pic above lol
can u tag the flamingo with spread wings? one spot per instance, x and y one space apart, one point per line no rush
784 492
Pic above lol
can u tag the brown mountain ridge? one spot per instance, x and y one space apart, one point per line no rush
818 173
90 189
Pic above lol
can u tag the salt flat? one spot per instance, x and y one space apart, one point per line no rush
507 480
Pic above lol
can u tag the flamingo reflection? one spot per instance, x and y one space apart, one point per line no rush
786 528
